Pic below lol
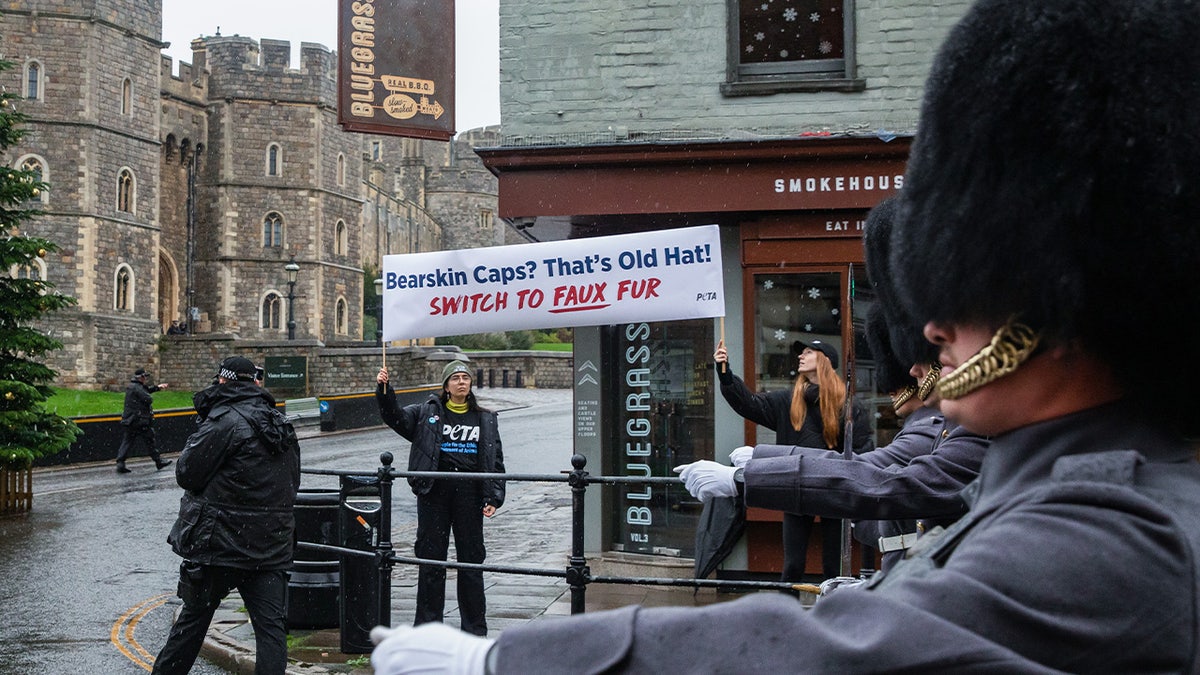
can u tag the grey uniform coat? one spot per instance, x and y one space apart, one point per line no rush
1079 554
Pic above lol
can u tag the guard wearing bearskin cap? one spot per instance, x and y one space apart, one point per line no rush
1054 180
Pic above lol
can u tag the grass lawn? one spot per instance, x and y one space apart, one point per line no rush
77 403
552 346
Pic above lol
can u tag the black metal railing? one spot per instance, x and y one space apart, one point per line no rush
577 573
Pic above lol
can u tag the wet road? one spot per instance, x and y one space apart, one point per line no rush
87 580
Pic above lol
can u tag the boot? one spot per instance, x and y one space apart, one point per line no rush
160 464
121 468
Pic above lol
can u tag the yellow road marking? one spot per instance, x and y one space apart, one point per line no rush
129 621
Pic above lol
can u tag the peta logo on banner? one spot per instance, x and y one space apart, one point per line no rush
654 276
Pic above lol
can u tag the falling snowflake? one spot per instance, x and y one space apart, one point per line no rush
768 284
760 36
815 17
790 14
780 334
826 46
814 292
808 328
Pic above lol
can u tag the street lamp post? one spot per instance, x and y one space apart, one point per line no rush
292 269
379 312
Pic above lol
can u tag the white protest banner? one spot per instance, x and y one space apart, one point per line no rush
653 276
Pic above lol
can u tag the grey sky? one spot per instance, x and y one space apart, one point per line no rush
477 29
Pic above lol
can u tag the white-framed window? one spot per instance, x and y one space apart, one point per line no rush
270 315
341 238
34 82
126 190
274 159
123 288
341 169
36 166
798 45
486 219
127 97
341 317
272 230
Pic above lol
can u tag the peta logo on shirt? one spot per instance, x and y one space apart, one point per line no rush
460 432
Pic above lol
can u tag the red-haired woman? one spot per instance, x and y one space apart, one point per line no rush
808 415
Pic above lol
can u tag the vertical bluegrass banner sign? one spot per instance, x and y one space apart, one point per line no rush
396 67
653 276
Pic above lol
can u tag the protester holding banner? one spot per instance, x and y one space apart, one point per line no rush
449 432
1053 178
809 415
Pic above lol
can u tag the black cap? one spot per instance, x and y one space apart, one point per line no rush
825 348
237 368
140 372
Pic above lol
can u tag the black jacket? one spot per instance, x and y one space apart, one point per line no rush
420 423
139 406
240 483
772 410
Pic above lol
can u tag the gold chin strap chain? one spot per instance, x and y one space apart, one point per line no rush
929 381
901 397
1010 347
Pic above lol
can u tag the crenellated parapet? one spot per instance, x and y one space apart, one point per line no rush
242 68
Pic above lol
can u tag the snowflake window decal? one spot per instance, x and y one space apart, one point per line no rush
834 311
790 14
783 54
749 49
763 6
760 36
815 17
780 334
814 292
808 328
787 308
826 46
768 284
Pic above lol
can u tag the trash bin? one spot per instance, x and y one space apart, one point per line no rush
313 588
328 422
365 591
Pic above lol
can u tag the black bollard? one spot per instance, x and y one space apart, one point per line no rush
518 384
505 380
479 376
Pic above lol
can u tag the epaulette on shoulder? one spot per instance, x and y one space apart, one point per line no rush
1118 467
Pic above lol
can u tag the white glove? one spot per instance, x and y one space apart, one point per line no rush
706 479
741 455
428 649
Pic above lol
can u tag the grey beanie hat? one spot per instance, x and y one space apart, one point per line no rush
453 367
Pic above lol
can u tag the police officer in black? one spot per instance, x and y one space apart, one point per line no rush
138 420
240 471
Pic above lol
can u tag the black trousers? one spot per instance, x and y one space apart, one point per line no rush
135 439
451 506
796 529
202 588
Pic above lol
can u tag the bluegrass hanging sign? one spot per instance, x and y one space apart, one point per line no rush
655 276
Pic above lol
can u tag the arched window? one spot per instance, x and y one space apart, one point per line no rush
340 238
34 78
127 97
37 167
342 322
123 289
341 169
34 271
273 230
272 311
126 191
274 159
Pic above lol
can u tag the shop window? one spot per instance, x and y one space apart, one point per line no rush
271 312
273 230
34 79
790 45
123 289
126 191
659 389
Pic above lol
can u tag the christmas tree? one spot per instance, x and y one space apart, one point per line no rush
27 430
